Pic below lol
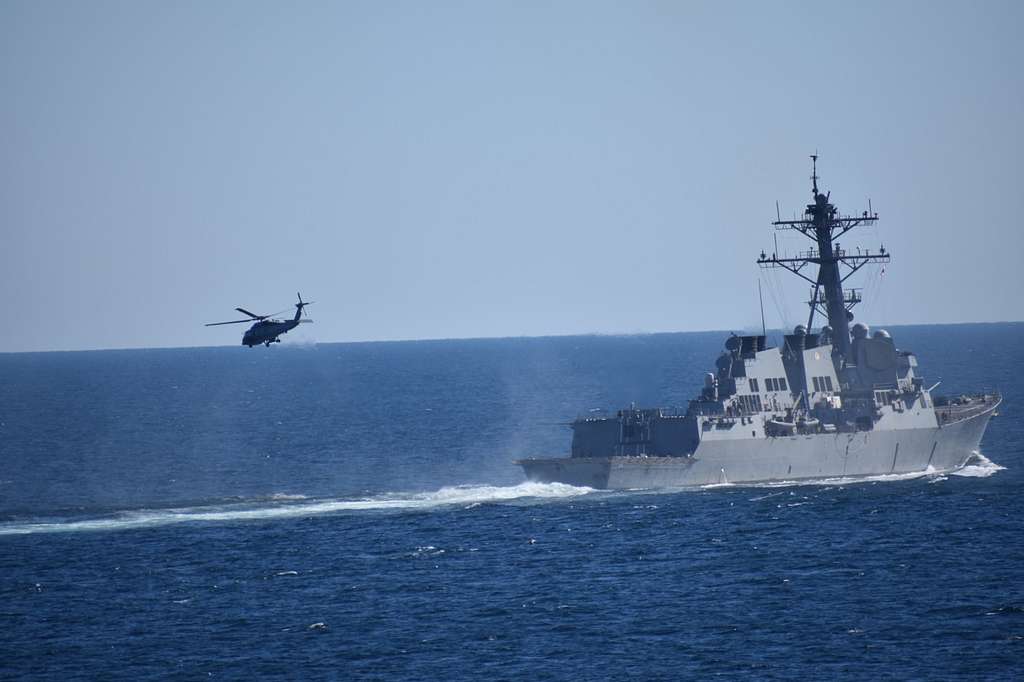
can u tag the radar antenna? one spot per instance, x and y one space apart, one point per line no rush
814 174
824 225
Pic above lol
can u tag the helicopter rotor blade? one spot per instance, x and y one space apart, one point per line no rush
252 315
277 313
214 324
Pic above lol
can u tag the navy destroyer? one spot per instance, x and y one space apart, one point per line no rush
842 402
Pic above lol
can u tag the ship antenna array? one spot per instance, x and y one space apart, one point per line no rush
760 299
824 225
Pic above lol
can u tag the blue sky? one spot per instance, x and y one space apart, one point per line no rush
462 169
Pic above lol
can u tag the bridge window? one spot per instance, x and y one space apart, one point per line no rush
822 383
782 384
750 403
753 386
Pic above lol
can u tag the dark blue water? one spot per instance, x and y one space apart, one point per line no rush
352 512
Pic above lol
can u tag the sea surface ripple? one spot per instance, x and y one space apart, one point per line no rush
352 511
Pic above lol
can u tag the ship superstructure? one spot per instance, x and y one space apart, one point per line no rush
837 402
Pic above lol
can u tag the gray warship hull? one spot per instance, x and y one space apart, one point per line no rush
858 454
837 403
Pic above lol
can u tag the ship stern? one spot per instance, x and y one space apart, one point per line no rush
587 472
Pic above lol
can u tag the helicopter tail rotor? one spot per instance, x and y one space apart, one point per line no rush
300 306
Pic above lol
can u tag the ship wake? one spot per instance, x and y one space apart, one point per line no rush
296 506
976 466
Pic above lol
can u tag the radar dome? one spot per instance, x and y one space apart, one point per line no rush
881 334
800 330
826 330
859 331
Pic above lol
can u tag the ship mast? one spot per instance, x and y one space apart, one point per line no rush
823 224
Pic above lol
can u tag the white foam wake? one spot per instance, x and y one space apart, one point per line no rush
469 496
978 466
828 481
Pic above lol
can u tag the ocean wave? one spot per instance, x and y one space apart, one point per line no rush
286 497
467 496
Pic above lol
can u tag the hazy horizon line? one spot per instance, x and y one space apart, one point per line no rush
491 338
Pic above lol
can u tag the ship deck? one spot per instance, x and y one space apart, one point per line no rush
966 407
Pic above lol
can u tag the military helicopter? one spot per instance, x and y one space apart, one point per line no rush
266 330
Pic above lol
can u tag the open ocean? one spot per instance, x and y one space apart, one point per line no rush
352 511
